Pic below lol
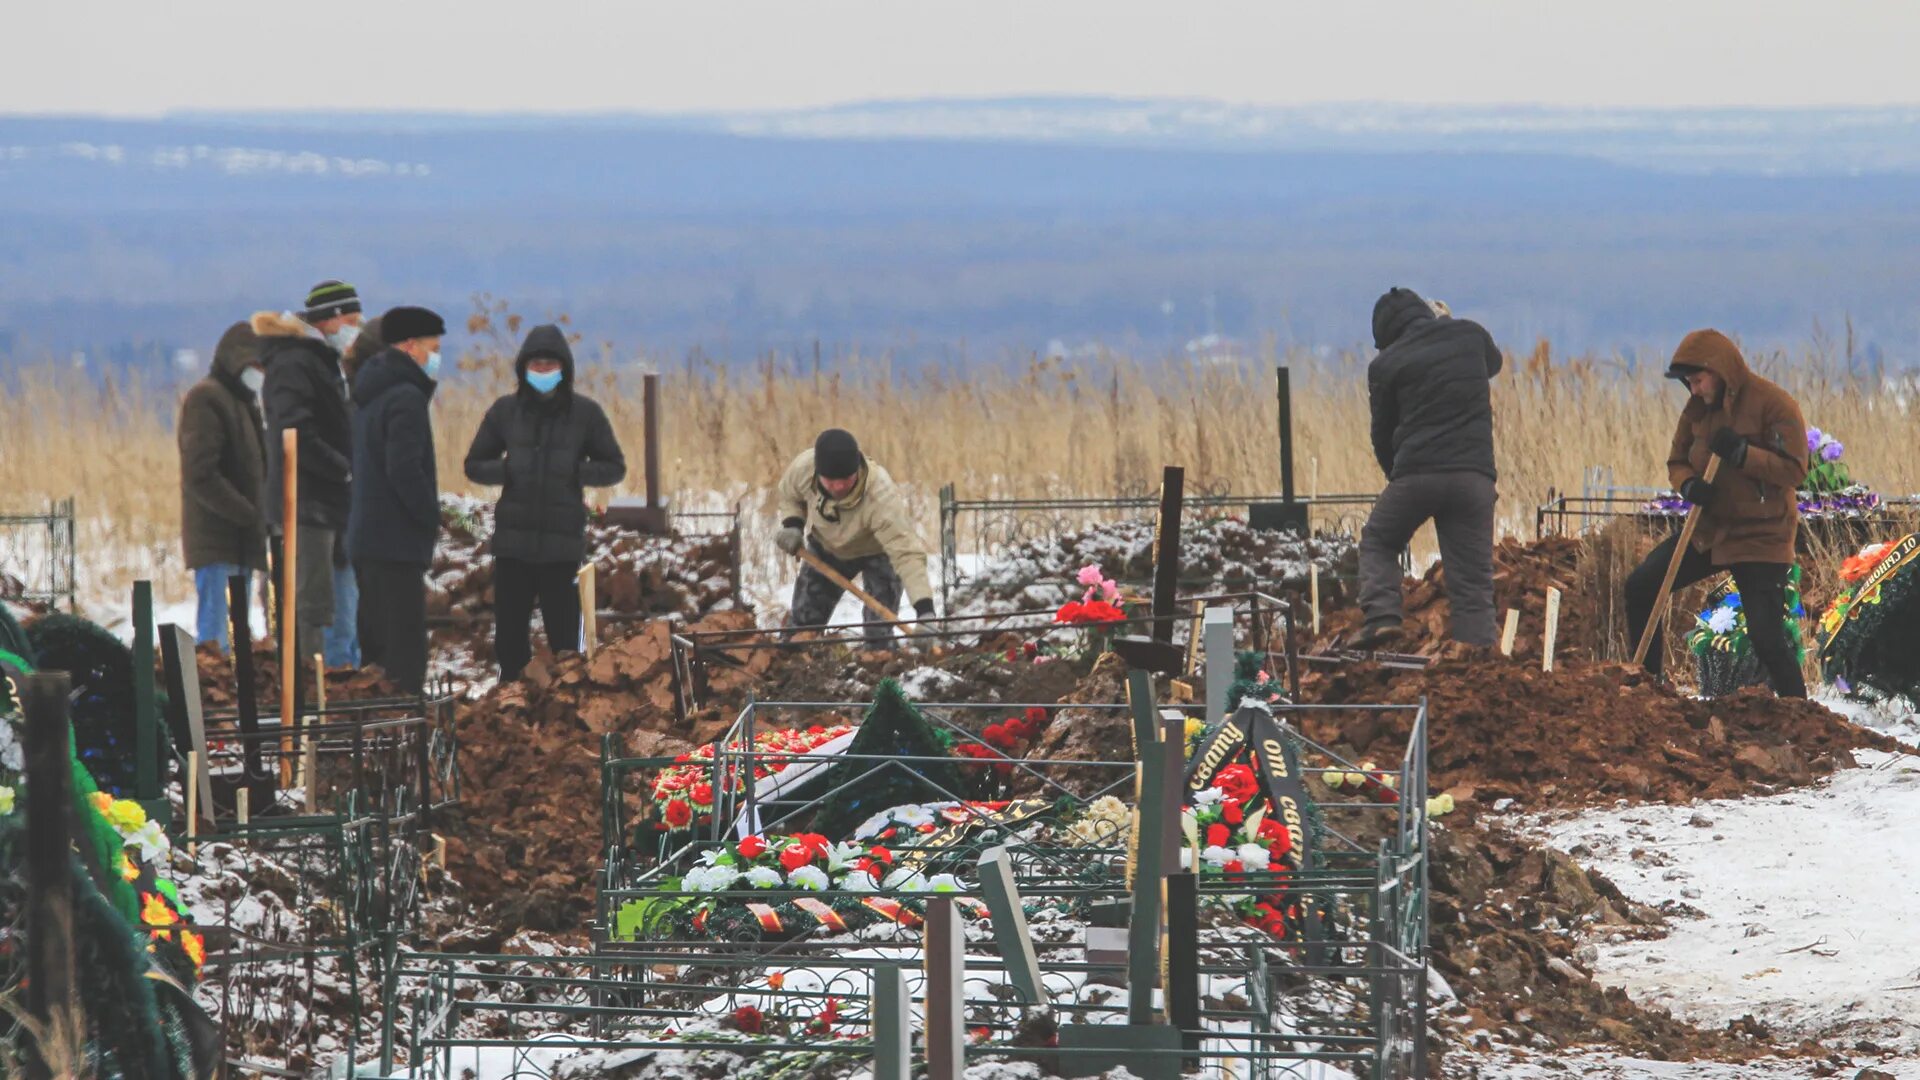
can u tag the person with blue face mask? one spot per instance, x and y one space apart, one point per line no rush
542 445
396 493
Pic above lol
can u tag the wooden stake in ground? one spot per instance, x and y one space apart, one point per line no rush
193 803
1673 570
1553 629
1512 631
289 601
309 753
1313 593
242 812
589 612
886 613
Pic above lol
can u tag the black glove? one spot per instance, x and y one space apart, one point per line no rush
1730 445
1696 491
923 607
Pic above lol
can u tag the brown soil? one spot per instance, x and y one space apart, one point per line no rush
219 686
1509 922
1522 573
1585 734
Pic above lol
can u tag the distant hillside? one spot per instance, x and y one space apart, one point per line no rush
997 225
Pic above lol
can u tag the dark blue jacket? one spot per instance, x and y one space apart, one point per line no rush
1429 389
396 490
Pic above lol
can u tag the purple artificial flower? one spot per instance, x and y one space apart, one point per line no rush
1814 435
1832 451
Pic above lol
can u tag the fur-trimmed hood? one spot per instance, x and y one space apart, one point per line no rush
278 324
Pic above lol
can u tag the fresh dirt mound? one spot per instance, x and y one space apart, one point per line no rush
1585 734
1522 573
531 841
220 686
1509 922
1086 734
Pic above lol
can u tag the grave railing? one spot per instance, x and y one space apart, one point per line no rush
38 556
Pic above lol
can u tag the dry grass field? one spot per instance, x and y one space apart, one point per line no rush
1083 427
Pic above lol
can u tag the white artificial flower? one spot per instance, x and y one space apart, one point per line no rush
712 879
907 879
1254 856
913 816
811 878
150 840
1721 621
873 826
859 881
944 883
844 855
12 755
763 877
710 857
1218 856
1208 796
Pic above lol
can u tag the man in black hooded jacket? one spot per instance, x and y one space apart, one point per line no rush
542 444
1432 404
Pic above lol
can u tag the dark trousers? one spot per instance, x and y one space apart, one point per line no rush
393 621
1763 591
1460 505
517 586
814 597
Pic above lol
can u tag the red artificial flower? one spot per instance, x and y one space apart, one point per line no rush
1004 768
1233 814
1090 613
1238 783
1269 828
816 730
748 1019
926 828
1278 850
813 842
752 847
1037 715
1281 838
1012 655
1031 648
883 855
793 858
1069 612
703 794
1235 866
679 813
1218 835
681 760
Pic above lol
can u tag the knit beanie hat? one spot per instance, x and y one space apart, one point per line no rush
329 299
406 323
836 455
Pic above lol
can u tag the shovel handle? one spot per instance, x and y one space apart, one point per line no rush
1673 570
835 576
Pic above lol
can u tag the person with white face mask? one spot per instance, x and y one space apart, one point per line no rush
223 464
543 445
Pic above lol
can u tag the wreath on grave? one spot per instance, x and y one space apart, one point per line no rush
683 793
137 960
1001 744
1867 635
103 707
776 888
1251 682
1723 654
1233 837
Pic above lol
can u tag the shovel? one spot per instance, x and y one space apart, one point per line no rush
1673 570
886 614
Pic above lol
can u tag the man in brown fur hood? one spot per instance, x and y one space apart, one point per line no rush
305 393
1750 513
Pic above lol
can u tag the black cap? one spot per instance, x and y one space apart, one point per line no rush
1680 372
406 323
836 455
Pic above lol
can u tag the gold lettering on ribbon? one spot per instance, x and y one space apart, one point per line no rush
1225 742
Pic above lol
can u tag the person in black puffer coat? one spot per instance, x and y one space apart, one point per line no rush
396 501
542 444
1432 401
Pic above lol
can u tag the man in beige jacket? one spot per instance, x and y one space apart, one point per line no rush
860 526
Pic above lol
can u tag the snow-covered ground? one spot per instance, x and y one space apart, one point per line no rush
1797 909
1606 1067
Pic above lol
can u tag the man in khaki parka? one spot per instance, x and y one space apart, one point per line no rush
1749 514
860 526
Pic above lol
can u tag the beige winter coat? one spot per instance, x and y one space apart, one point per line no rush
873 520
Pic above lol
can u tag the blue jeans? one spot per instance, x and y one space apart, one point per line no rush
341 641
210 584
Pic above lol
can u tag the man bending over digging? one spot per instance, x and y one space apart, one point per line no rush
1748 515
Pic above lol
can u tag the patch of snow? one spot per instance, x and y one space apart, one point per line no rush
1805 904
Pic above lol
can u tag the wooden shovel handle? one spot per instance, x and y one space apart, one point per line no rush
1673 570
835 576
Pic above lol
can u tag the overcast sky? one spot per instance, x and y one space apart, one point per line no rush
147 57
